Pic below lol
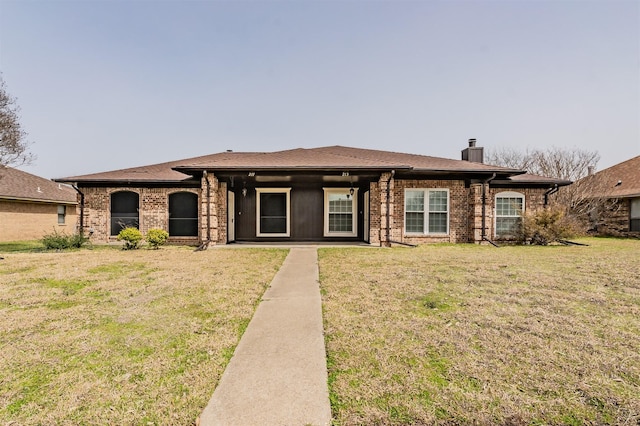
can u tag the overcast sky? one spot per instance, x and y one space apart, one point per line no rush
105 85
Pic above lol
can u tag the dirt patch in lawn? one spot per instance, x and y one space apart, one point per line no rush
112 337
466 334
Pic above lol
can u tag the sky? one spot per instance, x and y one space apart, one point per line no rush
105 85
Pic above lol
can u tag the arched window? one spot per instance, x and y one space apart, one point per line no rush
509 209
183 214
124 211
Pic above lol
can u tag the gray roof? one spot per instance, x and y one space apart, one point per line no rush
18 185
330 158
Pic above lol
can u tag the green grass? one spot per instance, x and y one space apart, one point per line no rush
21 246
117 337
467 334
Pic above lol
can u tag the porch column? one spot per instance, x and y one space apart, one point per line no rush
209 208
386 185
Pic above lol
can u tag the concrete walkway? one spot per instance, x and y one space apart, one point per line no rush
278 373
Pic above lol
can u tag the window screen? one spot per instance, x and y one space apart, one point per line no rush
124 211
183 214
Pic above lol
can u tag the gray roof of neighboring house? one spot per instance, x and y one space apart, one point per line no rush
18 185
619 181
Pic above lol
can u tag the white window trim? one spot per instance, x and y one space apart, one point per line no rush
62 214
286 191
354 211
425 229
506 194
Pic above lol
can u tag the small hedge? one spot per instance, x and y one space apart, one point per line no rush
157 237
62 241
132 238
547 226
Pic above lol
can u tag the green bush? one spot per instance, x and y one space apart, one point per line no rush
132 238
157 237
62 241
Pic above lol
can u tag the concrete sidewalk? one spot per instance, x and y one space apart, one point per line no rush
278 373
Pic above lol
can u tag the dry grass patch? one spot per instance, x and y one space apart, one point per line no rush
112 337
466 334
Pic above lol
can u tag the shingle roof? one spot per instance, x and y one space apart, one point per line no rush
606 182
18 185
334 157
324 158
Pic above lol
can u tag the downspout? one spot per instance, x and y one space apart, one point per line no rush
81 228
484 210
389 240
205 244
549 192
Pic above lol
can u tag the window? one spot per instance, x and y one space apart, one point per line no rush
124 211
272 209
509 208
183 214
634 224
62 212
340 212
426 211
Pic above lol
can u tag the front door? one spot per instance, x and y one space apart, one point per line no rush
231 216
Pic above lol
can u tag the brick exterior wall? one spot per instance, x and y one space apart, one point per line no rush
153 211
21 221
465 210
614 218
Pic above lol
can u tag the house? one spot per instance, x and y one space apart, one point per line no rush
332 193
31 206
616 192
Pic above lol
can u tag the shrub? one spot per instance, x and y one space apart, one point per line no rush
63 241
157 237
547 226
131 237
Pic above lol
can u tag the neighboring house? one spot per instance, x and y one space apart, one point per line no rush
617 194
31 206
332 193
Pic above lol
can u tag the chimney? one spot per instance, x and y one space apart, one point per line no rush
590 170
473 153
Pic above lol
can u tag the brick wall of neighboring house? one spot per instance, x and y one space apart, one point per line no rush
31 221
613 217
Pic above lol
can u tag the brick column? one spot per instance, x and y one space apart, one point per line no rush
383 188
209 209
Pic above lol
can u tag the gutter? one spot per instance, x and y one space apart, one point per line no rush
388 239
550 191
81 228
484 210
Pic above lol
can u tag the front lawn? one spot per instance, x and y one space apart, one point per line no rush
467 334
112 337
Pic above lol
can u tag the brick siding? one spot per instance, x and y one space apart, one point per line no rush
21 221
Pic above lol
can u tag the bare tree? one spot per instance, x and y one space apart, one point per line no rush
14 148
561 163
581 200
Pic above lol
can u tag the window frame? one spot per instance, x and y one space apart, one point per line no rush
62 214
173 220
287 192
137 221
634 215
506 194
426 211
354 212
